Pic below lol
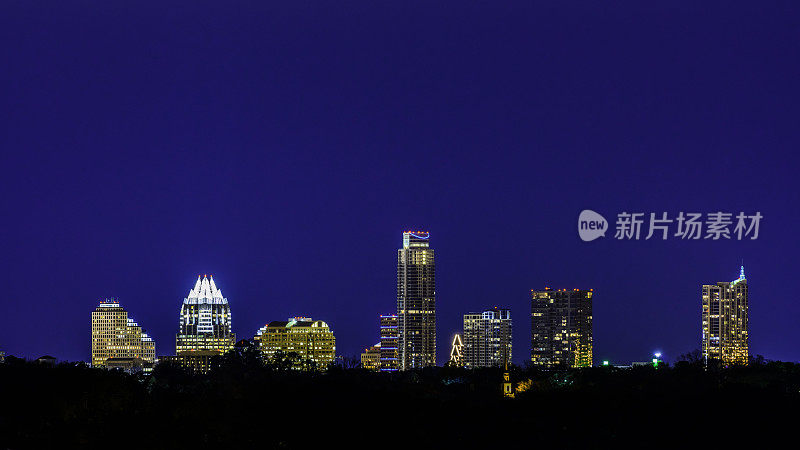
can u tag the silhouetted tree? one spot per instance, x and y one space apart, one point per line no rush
693 357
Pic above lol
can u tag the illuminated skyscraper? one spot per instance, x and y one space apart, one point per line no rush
561 328
725 317
311 343
389 338
487 338
115 335
205 320
416 301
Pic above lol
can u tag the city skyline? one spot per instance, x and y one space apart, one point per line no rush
159 142
476 329
206 288
429 224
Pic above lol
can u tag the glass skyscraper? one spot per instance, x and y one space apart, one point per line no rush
487 338
725 322
205 320
416 301
561 328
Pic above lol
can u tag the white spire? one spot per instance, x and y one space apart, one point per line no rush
213 286
196 290
205 291
741 275
205 288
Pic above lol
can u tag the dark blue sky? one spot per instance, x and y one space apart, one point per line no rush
284 148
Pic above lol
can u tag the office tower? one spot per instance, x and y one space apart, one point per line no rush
371 358
487 338
389 342
118 337
561 328
205 320
308 343
725 327
416 301
457 352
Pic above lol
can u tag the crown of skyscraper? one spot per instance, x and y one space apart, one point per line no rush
205 291
415 239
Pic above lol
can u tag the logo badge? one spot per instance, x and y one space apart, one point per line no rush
591 225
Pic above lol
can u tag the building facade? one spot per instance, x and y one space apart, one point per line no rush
487 338
416 301
371 358
725 322
310 343
561 328
194 361
115 335
205 320
129 365
390 356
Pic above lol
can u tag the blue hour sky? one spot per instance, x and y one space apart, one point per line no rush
284 146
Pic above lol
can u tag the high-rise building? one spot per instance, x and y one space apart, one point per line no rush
487 338
725 317
309 343
416 301
205 320
371 358
561 328
117 336
389 338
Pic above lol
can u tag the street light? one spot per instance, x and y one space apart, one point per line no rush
656 359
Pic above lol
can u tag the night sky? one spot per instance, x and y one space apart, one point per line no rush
285 146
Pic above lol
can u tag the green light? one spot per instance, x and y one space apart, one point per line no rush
605 363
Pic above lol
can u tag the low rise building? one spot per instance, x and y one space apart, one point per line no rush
310 344
371 358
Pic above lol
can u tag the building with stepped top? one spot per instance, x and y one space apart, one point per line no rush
116 336
371 358
205 320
